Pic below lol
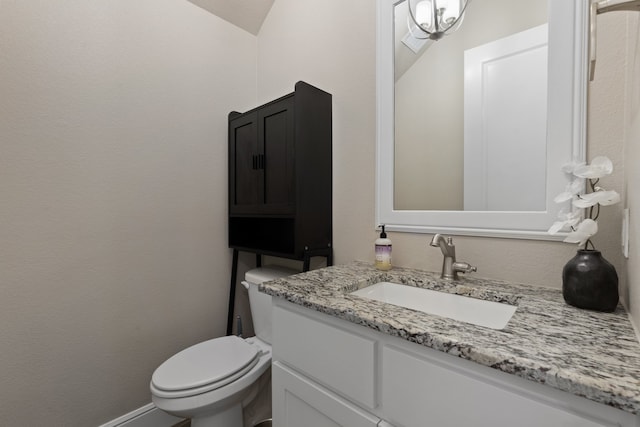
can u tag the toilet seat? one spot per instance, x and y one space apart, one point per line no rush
204 367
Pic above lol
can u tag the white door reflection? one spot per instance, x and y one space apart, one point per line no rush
505 123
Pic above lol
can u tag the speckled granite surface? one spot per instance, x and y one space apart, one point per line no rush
590 354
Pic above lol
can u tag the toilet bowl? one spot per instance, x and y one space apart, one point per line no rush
213 381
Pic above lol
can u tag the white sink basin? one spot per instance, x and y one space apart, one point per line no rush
489 314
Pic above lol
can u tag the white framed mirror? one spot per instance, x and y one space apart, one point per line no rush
458 178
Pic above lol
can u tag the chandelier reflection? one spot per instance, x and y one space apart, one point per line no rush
433 19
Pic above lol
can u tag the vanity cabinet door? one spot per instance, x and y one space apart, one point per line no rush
419 391
299 402
327 354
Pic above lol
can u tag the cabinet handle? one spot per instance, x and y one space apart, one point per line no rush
258 161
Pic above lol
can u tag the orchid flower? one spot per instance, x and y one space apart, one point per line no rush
569 167
571 191
599 167
567 219
582 231
604 198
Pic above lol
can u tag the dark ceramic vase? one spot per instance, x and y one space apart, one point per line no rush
590 281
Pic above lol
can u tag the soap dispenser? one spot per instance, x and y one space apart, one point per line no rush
383 251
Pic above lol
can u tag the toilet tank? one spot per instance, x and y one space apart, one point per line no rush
261 303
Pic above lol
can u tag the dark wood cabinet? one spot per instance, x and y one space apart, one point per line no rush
280 176
261 160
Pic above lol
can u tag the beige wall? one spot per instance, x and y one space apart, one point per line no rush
113 182
606 132
331 44
632 159
296 43
113 194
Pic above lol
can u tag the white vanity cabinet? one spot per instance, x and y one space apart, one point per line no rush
299 401
330 372
315 380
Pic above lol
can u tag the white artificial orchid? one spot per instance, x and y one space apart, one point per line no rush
599 167
585 230
571 191
567 219
602 197
582 231
569 167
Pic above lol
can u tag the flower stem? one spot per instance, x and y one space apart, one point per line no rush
592 184
586 245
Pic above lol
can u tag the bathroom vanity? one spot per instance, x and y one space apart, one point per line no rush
340 359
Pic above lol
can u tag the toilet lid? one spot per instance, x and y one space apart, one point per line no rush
210 364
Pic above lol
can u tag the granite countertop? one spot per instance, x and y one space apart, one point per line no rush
590 354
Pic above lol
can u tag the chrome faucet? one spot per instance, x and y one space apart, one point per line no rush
450 267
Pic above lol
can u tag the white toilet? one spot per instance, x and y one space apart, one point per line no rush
212 382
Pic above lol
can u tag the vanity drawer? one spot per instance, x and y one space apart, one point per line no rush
437 393
298 402
334 357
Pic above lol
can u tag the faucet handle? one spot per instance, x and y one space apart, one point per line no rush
463 267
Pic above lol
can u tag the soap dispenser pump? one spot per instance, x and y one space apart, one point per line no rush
383 251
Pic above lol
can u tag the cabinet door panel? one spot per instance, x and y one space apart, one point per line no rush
327 357
451 398
276 138
244 185
298 402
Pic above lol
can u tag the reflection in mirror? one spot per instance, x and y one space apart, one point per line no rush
470 107
436 165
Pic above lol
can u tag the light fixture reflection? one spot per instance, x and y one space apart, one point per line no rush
433 19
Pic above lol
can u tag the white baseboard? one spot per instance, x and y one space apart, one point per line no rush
147 416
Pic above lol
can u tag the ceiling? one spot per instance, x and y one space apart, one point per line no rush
246 14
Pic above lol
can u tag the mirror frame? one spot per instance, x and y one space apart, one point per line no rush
566 132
